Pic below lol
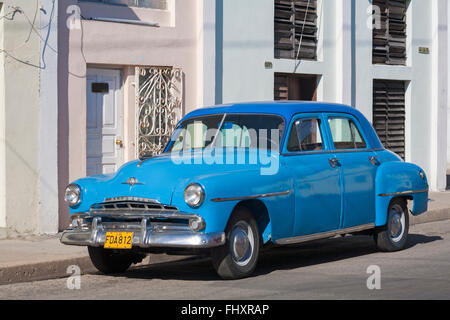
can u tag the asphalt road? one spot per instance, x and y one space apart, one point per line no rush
326 269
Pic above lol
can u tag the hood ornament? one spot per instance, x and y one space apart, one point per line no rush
132 182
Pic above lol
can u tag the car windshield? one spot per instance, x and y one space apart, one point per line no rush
228 131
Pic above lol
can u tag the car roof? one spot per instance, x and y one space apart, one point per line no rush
287 109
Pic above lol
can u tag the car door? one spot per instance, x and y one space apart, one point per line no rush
358 165
316 183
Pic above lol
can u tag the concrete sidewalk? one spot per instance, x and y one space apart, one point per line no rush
44 257
438 208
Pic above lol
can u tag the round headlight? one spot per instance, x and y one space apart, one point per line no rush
194 195
72 195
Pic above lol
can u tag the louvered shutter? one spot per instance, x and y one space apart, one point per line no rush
389 41
389 114
290 24
281 87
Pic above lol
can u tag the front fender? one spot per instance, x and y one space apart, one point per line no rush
240 184
400 179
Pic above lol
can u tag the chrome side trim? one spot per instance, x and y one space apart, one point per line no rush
263 195
402 193
324 235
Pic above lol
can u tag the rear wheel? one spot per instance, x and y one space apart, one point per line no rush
393 236
112 261
239 256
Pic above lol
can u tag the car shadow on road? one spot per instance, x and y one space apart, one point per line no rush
415 239
273 258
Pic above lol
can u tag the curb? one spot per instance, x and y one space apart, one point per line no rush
43 270
58 269
3 233
430 216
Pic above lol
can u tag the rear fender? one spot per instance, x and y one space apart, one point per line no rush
399 179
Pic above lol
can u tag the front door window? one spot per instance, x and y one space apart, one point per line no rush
305 136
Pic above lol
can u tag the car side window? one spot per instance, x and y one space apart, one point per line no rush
305 136
345 134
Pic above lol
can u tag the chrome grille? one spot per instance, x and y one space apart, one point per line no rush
131 205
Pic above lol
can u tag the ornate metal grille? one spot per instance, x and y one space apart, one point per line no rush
159 97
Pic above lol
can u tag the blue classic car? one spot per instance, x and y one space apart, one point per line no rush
235 178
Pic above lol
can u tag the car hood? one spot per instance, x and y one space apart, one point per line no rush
156 178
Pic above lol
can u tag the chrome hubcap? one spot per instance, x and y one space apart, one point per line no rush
241 242
396 223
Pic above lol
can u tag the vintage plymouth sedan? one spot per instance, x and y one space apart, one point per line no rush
233 179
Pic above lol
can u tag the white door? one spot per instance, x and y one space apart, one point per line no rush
104 121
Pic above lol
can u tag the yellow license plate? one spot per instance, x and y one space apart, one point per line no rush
118 240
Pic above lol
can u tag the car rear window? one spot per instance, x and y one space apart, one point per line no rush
345 134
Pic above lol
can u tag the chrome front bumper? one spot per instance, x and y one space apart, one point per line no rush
146 234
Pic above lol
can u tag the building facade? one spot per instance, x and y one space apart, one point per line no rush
107 80
130 72
387 58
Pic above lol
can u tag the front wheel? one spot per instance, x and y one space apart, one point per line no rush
393 236
112 261
238 257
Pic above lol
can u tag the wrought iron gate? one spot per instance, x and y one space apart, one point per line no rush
159 96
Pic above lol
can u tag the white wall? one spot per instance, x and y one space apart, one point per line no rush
21 117
247 44
48 152
448 97
206 52
2 129
438 152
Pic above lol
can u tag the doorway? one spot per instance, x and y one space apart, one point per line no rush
295 87
104 121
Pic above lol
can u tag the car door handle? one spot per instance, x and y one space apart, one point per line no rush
334 162
374 161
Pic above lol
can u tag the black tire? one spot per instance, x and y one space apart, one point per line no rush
393 236
231 263
112 261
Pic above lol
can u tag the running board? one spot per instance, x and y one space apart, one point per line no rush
324 235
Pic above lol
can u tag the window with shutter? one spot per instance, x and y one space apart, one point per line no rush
389 114
389 40
281 87
295 87
295 21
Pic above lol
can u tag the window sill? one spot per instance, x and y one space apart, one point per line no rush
130 15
